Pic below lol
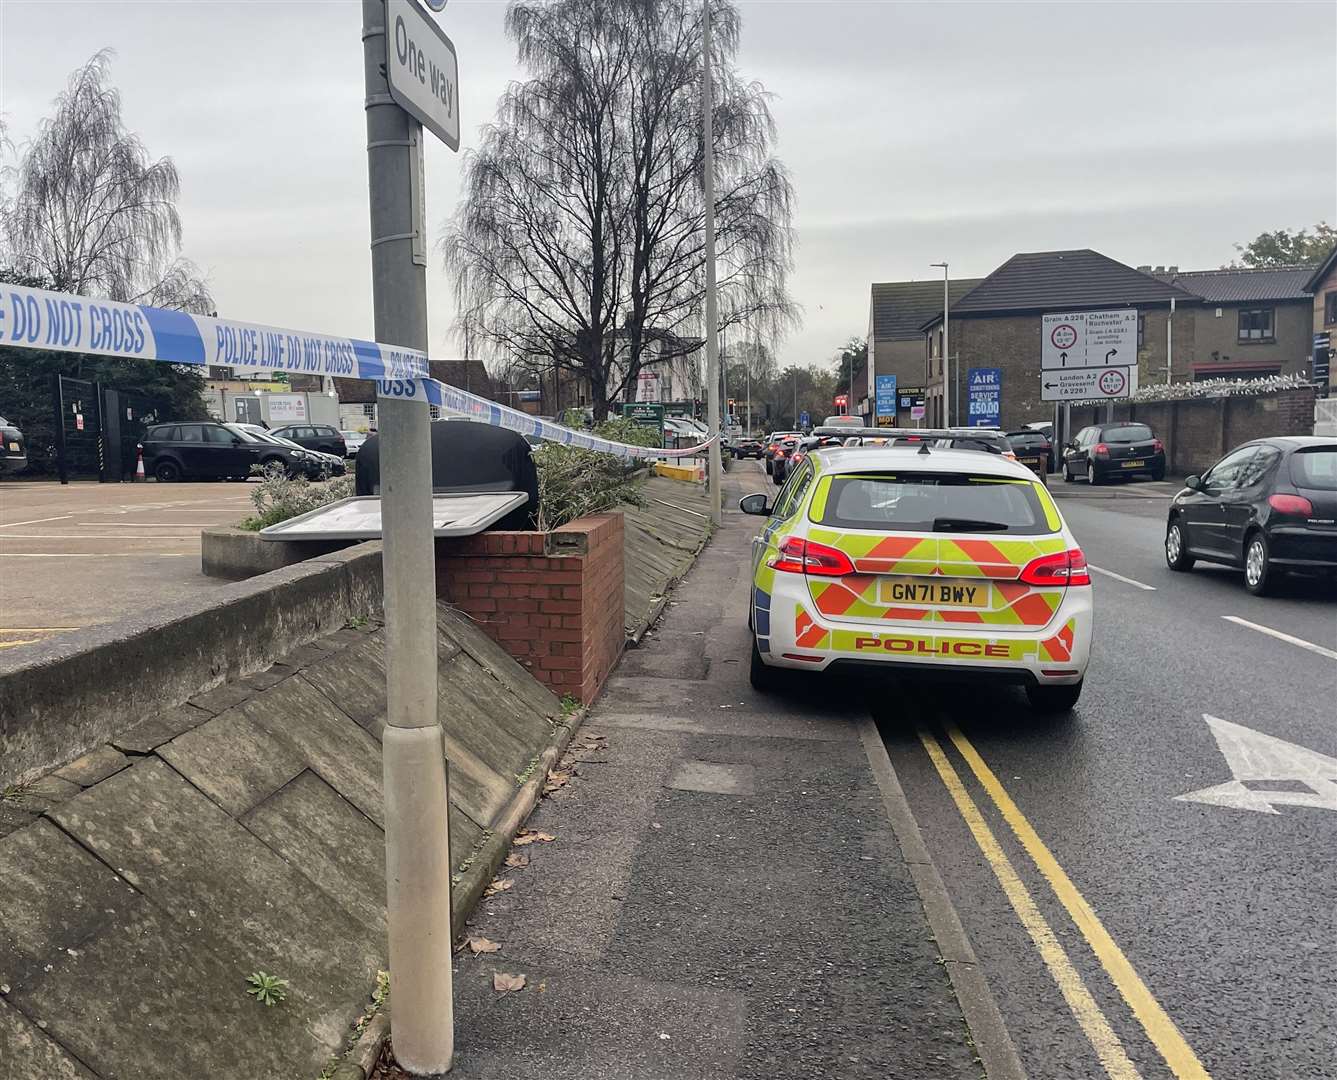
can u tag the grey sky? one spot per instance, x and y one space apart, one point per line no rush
1155 133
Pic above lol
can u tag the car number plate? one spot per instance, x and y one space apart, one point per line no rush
1133 464
14 447
934 593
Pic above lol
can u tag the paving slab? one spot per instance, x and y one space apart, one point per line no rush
354 677
30 1053
162 727
94 766
458 630
233 761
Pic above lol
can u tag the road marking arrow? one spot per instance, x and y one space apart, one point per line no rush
1254 757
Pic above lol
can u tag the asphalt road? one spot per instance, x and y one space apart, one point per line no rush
85 553
1163 937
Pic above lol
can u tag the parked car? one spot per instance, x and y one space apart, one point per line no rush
1029 442
316 465
13 448
1123 448
748 448
190 451
322 437
1269 507
353 441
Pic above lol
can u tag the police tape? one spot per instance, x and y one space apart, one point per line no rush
62 322
461 402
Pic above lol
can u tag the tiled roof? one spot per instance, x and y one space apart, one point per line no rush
1058 280
900 308
1241 285
1322 271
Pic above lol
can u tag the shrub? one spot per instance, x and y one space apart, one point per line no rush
620 429
278 498
574 482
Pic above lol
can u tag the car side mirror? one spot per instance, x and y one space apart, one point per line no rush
1193 483
754 504
236 440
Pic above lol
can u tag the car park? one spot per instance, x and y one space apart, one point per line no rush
1268 507
935 562
1121 448
208 451
13 448
317 466
322 437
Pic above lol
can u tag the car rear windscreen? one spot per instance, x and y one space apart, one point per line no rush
1127 433
934 502
1316 468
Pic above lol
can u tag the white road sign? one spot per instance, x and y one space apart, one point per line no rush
1303 777
1089 339
1088 384
422 70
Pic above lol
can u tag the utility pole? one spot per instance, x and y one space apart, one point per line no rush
417 843
946 348
712 304
796 399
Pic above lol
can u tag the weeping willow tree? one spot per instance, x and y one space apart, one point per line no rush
579 240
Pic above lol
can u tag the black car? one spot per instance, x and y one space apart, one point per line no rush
322 437
746 448
1030 443
1269 506
190 451
1122 448
780 461
13 450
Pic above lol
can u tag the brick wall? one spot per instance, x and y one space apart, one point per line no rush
552 600
1199 431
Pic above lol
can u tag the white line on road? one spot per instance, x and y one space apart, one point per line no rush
1329 653
94 554
1120 577
99 536
35 521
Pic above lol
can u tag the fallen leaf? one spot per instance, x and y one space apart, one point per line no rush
556 781
482 945
516 861
498 885
506 983
530 836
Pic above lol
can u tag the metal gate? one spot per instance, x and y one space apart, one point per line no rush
98 429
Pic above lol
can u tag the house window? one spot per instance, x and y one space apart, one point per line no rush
1330 308
1256 324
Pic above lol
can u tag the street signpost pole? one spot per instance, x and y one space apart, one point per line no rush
712 307
417 843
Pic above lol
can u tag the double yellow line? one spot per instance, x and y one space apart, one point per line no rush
1160 1029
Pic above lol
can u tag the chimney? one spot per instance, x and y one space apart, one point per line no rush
1145 269
1173 269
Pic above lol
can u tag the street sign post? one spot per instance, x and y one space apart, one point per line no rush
422 70
1088 355
984 389
885 405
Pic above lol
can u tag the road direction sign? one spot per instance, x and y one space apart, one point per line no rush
1095 339
422 70
1300 776
804 419
1088 384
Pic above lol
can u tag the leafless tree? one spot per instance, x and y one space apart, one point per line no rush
579 239
91 212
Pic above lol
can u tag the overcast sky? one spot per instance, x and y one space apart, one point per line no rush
916 132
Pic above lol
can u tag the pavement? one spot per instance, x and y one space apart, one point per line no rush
724 894
85 553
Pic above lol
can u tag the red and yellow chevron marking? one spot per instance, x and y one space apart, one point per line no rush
1009 604
807 633
1059 647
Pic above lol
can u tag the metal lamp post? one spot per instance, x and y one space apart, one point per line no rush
712 307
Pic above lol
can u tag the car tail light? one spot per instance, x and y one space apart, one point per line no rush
1100 450
799 556
1297 505
1157 447
779 453
1061 568
1009 455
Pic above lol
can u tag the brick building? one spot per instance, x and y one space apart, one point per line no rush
1322 287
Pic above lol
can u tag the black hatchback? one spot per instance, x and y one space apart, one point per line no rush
320 437
1269 506
1124 448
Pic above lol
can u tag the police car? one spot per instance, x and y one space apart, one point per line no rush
938 561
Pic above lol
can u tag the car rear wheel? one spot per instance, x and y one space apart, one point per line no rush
1158 474
1176 548
764 679
1258 575
1051 700
167 472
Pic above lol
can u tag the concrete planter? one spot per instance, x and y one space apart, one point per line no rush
227 551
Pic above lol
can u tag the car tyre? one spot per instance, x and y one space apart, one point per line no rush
1068 478
1052 700
1258 573
1158 474
1176 548
167 472
1091 477
764 679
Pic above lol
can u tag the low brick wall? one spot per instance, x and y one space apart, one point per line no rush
553 600
1198 431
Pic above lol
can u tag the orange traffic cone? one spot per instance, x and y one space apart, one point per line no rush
139 466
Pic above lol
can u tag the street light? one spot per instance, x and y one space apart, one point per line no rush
946 352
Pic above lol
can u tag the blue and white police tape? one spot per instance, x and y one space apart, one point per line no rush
455 400
38 319
63 322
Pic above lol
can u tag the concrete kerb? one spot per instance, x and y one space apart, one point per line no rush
234 553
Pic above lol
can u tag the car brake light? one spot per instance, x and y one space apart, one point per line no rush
1291 504
1061 568
1157 447
1100 450
799 556
1009 455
